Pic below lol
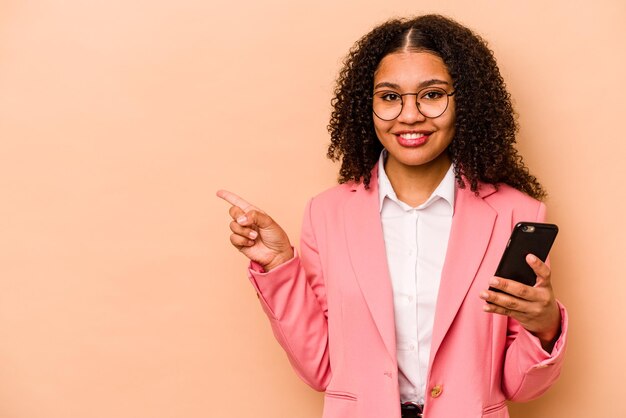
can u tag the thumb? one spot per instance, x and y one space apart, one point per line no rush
541 269
257 218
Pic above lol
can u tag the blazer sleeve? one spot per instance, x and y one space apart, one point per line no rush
293 296
528 369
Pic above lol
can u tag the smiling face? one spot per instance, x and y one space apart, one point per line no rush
413 141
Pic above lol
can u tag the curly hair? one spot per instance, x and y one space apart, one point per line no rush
482 149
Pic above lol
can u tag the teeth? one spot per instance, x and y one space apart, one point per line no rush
412 136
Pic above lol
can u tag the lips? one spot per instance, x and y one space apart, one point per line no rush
412 138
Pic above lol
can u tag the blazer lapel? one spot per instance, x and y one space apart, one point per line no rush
472 226
366 248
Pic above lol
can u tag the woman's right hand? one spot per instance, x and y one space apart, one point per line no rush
256 234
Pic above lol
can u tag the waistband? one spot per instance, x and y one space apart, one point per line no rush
411 410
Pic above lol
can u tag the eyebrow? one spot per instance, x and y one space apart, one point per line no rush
421 85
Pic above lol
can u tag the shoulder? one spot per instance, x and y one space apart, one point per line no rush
335 196
327 207
508 199
505 193
342 192
350 197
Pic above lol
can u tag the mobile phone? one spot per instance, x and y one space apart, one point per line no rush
526 238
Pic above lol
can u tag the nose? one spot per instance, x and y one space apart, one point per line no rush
410 111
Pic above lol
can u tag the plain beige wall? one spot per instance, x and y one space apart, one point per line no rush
120 295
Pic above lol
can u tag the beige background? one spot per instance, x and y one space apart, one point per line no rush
119 293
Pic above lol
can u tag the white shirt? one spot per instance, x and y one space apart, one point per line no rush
416 240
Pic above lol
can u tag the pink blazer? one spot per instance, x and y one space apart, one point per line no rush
331 309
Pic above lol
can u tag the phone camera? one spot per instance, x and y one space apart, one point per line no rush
528 228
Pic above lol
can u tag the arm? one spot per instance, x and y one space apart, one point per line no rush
529 370
536 330
293 296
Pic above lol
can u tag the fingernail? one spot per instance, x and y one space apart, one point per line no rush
532 258
253 234
241 219
484 295
486 308
493 281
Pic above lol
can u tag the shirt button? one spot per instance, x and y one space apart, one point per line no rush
436 391
412 347
410 298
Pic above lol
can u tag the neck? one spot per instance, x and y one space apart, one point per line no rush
414 184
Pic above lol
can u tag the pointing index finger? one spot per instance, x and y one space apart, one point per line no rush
234 200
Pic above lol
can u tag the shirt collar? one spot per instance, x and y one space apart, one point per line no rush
445 190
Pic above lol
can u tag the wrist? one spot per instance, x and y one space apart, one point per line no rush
549 338
280 259
547 343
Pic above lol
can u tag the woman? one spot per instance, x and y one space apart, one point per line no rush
387 307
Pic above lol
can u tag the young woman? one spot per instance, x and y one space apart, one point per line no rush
386 308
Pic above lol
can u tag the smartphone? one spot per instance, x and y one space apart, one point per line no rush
526 238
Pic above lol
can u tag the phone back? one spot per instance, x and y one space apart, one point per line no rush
526 238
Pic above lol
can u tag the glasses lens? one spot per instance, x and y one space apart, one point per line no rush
432 101
387 105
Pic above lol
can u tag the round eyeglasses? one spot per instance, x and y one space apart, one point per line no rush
431 102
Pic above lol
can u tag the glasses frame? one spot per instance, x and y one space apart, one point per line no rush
417 104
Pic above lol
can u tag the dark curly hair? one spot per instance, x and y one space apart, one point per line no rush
482 149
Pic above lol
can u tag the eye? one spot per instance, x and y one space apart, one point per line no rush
389 96
432 94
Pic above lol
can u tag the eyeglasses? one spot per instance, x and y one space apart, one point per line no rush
431 102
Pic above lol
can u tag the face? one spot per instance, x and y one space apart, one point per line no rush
413 140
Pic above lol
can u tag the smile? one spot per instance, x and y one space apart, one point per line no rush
412 135
412 139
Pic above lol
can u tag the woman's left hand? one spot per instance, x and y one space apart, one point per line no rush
535 308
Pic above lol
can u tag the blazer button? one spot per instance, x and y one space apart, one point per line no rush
436 391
